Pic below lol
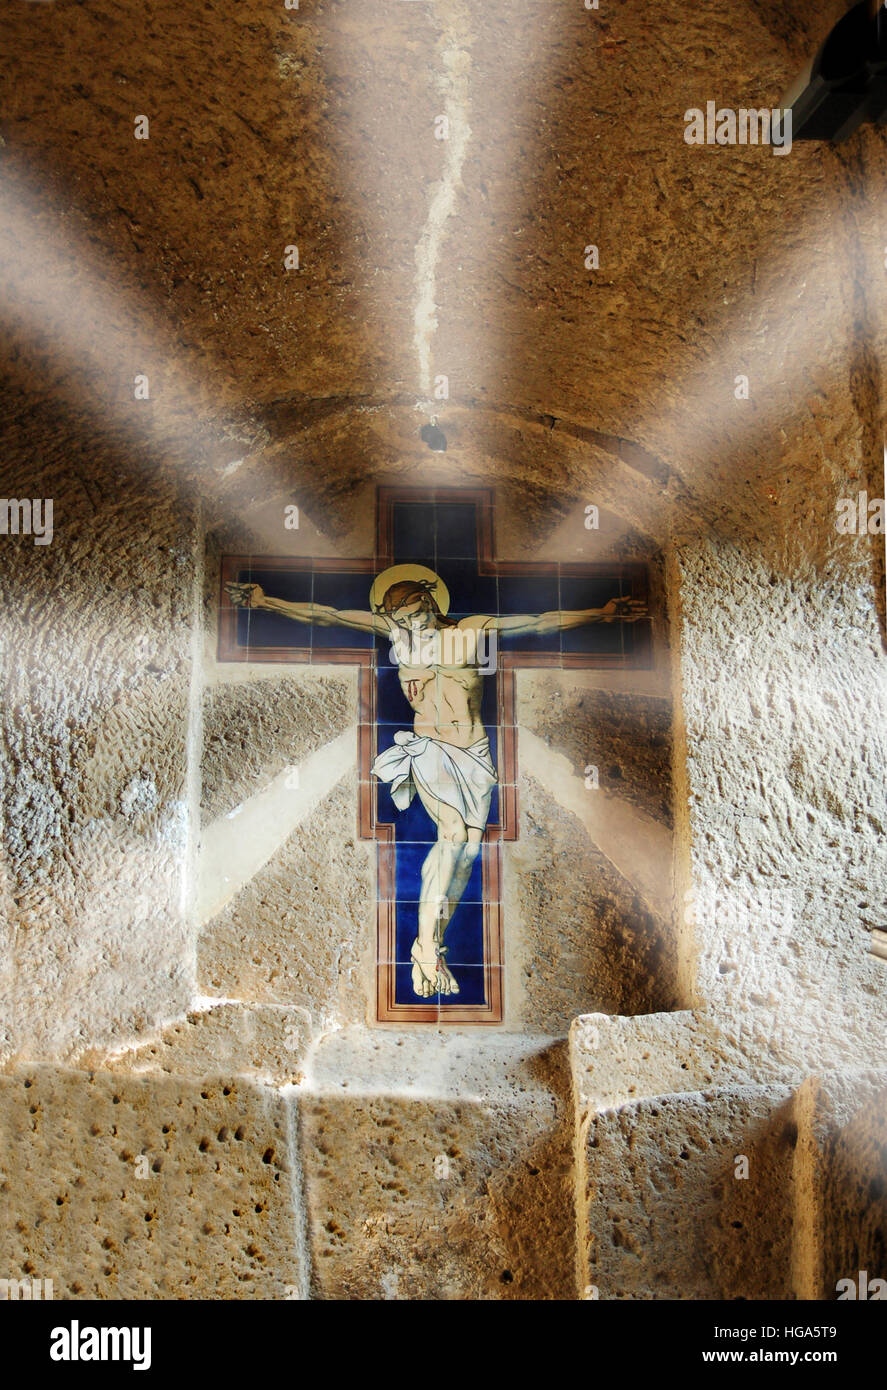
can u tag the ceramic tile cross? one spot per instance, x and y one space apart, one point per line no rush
437 626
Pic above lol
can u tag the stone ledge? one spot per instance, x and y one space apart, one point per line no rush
688 1196
439 1166
618 1060
458 1065
266 1042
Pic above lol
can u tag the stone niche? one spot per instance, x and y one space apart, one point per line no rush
288 900
677 1101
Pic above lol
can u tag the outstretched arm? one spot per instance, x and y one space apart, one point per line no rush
618 610
254 596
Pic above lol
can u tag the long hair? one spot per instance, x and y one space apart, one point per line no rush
408 591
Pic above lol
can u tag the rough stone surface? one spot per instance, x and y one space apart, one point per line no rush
579 937
252 732
662 1211
265 1042
627 738
455 1182
843 1140
618 1060
567 386
216 1214
788 868
95 758
660 1107
302 931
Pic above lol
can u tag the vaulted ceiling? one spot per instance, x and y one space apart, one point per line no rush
318 128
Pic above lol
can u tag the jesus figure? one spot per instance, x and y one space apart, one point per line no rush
445 759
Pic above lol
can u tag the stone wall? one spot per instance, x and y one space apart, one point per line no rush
692 1183
188 943
98 762
143 1187
271 957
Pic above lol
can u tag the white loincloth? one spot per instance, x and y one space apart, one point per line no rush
463 778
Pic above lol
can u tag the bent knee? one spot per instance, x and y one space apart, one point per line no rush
452 830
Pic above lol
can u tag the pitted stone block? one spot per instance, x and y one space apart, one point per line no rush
438 1167
264 1041
142 1187
688 1196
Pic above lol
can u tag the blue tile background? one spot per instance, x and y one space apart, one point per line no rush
259 629
443 537
342 591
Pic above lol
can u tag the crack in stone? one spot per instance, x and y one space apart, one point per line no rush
453 84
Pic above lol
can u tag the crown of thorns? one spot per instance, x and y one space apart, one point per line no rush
415 586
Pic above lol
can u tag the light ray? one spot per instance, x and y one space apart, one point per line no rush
235 846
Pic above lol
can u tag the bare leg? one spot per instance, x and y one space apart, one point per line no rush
429 969
445 873
459 882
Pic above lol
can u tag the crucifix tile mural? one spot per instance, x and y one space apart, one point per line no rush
437 624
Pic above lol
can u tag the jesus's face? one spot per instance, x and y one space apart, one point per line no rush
416 617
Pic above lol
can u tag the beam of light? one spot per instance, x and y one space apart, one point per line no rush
638 847
805 301
59 296
453 78
58 292
236 845
441 36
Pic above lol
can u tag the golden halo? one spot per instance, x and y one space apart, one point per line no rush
395 573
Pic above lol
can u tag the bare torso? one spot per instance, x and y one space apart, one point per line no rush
441 667
443 685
